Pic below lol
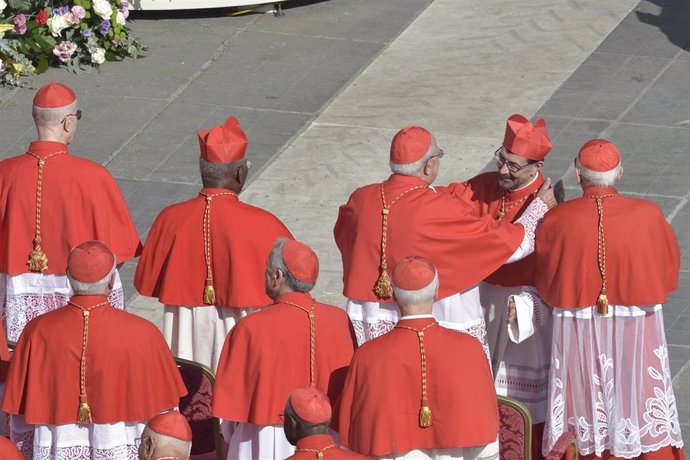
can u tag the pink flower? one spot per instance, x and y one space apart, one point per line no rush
64 50
79 11
72 18
20 24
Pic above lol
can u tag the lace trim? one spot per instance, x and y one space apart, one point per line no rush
24 442
365 331
620 435
22 308
126 452
530 220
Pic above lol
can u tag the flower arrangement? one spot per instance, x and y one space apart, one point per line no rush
77 34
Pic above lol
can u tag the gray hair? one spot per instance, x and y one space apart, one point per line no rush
52 116
95 288
214 170
277 263
420 296
598 178
411 169
179 446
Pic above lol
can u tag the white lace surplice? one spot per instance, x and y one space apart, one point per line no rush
29 295
610 380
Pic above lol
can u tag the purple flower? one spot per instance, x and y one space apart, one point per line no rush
64 50
61 10
124 8
20 24
105 27
86 33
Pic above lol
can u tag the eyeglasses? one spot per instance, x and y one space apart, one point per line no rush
439 154
75 114
512 167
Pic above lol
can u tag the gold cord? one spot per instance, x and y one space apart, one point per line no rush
312 336
503 211
383 288
602 301
84 412
209 289
425 420
38 260
318 452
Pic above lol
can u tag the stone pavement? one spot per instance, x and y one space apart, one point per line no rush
322 90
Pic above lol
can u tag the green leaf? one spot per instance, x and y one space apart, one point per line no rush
21 5
44 44
42 64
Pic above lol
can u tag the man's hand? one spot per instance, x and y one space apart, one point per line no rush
559 191
546 194
512 312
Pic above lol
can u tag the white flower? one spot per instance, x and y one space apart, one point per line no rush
57 23
3 5
103 8
98 56
120 18
65 50
79 11
3 67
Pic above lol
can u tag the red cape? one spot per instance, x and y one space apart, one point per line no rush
4 354
172 266
319 441
131 375
464 247
642 254
484 194
80 202
379 407
8 451
266 356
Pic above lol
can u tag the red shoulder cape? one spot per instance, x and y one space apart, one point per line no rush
464 247
266 356
80 202
379 407
642 254
484 193
172 266
318 442
130 373
8 451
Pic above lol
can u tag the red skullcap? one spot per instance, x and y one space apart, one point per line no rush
301 261
223 144
311 405
413 273
599 155
54 95
525 139
171 424
90 261
410 144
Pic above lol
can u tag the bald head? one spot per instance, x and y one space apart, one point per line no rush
155 445
58 124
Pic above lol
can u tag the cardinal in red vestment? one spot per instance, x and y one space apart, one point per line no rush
382 223
521 370
50 201
204 258
293 343
88 376
605 264
167 436
307 417
420 389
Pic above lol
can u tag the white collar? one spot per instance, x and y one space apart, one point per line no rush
417 316
526 185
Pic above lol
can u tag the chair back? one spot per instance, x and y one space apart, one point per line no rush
197 405
515 430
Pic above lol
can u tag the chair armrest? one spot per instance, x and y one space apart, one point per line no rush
565 448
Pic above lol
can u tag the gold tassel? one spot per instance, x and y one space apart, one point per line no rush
425 417
383 288
209 294
603 304
84 416
38 261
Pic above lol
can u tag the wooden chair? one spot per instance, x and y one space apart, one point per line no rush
207 442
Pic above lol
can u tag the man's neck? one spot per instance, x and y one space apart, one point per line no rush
516 189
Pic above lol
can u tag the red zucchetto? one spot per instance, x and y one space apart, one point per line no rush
171 424
410 144
413 273
301 261
311 405
525 139
223 144
90 261
54 95
599 155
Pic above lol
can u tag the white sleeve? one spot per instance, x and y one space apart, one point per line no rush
530 220
532 314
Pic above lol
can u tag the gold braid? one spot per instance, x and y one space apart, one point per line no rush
312 336
425 420
209 289
84 412
318 452
383 288
602 301
38 260
503 211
